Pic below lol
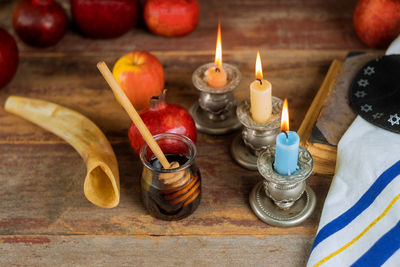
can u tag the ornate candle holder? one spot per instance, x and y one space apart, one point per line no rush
283 200
215 112
255 137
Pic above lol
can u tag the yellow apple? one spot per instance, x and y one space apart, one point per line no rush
141 76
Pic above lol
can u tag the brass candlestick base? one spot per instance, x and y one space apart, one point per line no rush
215 112
214 127
255 137
268 212
283 200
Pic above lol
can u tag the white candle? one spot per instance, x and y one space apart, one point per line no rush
260 96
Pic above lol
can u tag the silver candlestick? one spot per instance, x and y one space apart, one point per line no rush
255 137
215 112
283 200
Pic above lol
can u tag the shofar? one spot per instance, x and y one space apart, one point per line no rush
101 185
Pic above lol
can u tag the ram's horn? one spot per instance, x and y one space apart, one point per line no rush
101 185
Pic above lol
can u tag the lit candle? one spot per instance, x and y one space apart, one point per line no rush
216 75
260 95
287 146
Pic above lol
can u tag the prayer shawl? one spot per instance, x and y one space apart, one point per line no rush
360 220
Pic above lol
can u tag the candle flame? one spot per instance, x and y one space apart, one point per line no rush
285 117
218 49
259 74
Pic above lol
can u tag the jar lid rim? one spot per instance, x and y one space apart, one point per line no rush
180 137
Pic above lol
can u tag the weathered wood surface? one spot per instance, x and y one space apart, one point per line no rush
42 193
154 251
75 82
252 24
44 216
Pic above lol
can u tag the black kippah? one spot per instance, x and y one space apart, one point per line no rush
375 92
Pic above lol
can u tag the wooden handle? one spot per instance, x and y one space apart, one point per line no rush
137 120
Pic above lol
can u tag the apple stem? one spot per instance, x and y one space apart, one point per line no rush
158 102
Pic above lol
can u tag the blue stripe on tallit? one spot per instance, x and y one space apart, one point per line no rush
362 204
382 250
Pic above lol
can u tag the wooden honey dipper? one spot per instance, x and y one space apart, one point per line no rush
181 187
184 195
136 119
173 180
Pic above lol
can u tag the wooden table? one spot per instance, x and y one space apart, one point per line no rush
45 218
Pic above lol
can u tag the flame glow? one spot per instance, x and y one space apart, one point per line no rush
285 116
259 74
218 49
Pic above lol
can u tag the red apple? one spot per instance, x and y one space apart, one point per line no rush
377 22
40 23
141 76
171 17
161 117
105 18
8 57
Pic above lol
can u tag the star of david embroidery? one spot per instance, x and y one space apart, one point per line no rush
360 94
366 108
377 115
394 119
363 83
369 70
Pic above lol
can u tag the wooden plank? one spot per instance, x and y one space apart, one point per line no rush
43 177
318 102
74 82
44 216
136 251
325 157
294 24
41 192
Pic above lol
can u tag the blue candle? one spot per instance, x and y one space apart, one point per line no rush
287 146
286 153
